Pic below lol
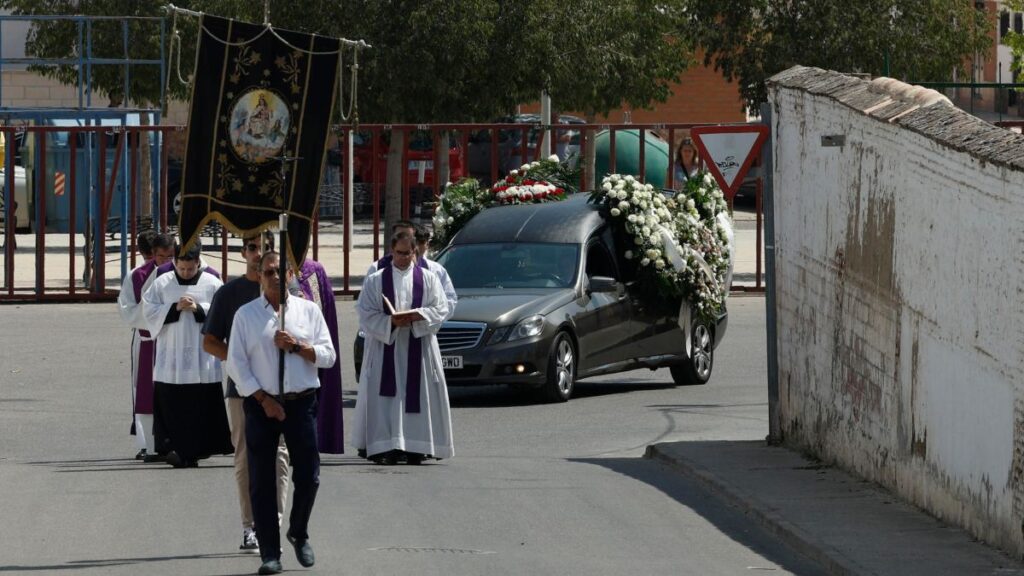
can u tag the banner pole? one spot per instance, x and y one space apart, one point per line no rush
283 292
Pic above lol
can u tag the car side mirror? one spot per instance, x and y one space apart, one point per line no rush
603 284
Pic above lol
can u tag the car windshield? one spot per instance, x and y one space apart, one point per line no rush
512 265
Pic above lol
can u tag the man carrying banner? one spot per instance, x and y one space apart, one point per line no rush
216 335
253 356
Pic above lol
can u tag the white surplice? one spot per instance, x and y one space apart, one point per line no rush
381 422
180 358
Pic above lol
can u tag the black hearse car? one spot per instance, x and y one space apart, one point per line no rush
545 299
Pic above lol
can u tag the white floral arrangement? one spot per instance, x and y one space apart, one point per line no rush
545 180
682 245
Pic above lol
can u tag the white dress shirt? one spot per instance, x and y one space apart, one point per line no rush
253 358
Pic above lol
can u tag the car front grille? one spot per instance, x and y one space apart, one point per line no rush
460 335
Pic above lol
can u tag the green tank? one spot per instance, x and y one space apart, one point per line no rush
627 156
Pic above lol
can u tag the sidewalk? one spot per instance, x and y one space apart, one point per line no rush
58 256
848 525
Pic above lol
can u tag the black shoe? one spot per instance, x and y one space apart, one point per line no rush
389 458
141 455
414 459
271 566
151 458
303 551
361 452
175 459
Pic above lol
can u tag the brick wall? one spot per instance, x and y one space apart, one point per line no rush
898 274
700 95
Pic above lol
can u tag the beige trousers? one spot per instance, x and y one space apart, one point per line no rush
236 418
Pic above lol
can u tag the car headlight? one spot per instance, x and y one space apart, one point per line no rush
498 335
527 327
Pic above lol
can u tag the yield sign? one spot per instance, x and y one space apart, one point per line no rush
728 150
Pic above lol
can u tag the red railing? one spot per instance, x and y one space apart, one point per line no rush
486 151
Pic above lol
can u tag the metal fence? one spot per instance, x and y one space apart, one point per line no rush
80 242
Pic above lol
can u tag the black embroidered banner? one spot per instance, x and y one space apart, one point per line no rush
257 130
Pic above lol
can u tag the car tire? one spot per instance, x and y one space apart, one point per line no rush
561 373
697 370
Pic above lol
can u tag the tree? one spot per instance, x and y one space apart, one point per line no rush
448 60
1015 40
914 40
606 54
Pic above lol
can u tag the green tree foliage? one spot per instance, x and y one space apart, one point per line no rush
922 40
601 55
1013 39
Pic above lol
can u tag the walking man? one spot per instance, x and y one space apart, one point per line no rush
156 249
253 352
190 419
216 335
402 410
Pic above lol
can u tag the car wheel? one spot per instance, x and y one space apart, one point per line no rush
702 358
561 375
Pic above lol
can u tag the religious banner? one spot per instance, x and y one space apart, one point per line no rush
257 130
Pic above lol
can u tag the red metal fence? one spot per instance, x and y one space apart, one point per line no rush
91 228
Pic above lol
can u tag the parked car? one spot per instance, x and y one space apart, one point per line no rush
546 299
510 141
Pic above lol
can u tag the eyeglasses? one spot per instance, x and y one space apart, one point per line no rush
271 272
252 247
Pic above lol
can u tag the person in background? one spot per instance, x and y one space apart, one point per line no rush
189 413
316 287
256 344
686 164
422 248
156 249
216 336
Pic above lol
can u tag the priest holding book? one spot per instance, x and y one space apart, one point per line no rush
402 411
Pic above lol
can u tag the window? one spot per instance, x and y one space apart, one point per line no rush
599 261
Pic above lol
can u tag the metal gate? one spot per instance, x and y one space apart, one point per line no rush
80 242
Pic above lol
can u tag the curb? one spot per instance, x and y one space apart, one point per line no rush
831 560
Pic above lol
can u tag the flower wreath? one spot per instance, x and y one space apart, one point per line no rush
682 244
540 181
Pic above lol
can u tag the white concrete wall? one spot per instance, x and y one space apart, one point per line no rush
900 271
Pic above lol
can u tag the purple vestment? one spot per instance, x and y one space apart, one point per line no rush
415 358
147 350
316 287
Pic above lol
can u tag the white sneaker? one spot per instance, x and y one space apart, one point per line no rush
249 542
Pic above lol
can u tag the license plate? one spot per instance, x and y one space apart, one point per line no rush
451 362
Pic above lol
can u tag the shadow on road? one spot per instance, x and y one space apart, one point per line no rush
728 520
111 562
122 465
500 396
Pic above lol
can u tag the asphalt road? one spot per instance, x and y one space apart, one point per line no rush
533 489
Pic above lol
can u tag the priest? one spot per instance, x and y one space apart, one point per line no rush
402 410
156 249
189 410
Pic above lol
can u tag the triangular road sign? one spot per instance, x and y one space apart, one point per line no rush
728 150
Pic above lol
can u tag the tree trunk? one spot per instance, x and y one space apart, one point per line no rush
443 172
590 158
393 193
145 171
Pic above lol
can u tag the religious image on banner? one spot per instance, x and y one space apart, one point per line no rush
258 128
